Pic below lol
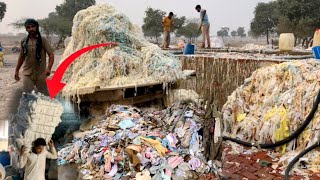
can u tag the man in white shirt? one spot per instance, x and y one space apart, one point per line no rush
205 26
35 161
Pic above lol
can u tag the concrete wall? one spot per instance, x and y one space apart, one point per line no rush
216 78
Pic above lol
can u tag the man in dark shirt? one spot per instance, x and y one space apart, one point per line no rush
34 49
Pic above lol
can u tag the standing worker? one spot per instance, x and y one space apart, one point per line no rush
167 24
33 58
35 161
205 26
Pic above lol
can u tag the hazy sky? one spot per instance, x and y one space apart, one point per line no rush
230 13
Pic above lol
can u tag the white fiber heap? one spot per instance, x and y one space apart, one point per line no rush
134 61
273 103
37 117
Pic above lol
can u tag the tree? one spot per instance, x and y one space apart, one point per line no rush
69 8
178 22
56 25
190 30
3 10
152 26
233 33
66 12
299 17
224 31
59 23
265 19
19 24
241 32
52 25
46 26
253 35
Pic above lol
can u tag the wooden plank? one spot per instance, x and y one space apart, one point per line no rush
90 90
87 90
102 96
127 86
140 99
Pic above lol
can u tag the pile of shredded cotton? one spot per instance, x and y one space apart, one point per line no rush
273 103
181 95
134 61
254 47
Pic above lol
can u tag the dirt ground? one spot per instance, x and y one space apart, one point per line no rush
8 85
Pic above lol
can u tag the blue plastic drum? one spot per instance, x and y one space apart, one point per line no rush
189 49
4 158
316 52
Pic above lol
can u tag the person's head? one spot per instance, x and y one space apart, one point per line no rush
32 26
170 15
38 145
198 8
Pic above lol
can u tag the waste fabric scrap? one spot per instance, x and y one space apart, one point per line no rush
133 143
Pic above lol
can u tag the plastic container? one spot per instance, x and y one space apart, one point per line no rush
189 49
286 42
316 52
316 38
5 158
16 177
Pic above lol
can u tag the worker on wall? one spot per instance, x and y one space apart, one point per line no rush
33 58
34 162
167 24
205 26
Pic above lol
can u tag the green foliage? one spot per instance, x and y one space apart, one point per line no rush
65 14
178 22
224 31
56 25
152 26
241 32
234 33
190 30
19 24
252 34
299 17
60 22
265 20
69 8
3 10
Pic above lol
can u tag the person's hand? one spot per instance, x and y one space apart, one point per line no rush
23 150
47 72
51 144
16 76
